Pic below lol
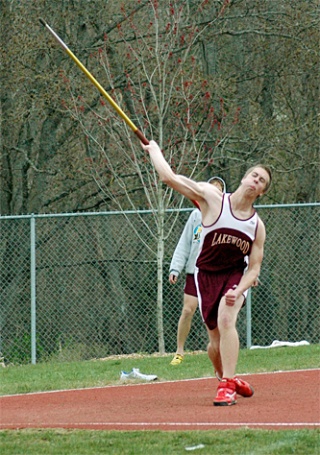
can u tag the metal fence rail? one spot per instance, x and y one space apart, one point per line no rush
79 286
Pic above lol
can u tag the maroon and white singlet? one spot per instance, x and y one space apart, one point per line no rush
224 249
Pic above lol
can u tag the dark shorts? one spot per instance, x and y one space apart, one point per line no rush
190 285
211 288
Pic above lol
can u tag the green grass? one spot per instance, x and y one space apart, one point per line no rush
238 442
55 376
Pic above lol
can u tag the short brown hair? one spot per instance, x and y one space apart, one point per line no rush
268 171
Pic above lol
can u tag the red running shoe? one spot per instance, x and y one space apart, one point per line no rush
226 393
243 388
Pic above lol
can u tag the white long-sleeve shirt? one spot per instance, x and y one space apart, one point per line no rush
186 252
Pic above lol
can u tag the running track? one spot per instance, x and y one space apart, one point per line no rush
282 400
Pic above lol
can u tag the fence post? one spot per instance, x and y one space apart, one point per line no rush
33 287
248 306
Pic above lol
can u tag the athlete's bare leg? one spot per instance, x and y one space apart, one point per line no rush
229 339
190 304
213 350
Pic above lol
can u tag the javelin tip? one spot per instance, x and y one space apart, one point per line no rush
42 21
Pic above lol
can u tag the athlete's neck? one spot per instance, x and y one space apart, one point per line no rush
241 204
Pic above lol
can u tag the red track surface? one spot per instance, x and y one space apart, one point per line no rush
281 401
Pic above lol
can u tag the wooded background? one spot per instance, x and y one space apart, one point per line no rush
219 84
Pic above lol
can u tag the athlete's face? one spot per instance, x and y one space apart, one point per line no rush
256 181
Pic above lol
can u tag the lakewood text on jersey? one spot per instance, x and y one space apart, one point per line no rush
226 238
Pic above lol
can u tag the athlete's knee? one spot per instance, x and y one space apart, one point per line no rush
227 316
225 320
188 309
189 306
187 313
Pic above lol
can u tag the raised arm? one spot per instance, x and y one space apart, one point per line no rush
189 188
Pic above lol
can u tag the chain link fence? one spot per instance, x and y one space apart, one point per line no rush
81 286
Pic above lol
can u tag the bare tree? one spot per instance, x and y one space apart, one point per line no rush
154 73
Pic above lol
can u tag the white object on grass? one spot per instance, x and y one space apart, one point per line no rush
276 344
199 446
135 374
